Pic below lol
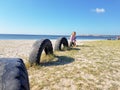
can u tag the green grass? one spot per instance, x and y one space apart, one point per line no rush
92 66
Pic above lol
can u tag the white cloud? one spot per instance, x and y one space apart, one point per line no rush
99 10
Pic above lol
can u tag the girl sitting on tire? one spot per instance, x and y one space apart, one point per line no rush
73 39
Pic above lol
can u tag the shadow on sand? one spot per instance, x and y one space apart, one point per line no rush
84 46
60 60
75 48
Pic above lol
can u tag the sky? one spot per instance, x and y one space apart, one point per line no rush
60 17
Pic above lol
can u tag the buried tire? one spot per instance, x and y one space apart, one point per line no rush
61 41
13 74
38 47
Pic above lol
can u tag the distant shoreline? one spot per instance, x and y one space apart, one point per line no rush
53 37
63 35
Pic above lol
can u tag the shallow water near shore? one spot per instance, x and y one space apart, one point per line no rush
53 37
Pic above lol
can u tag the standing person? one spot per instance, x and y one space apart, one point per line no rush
73 39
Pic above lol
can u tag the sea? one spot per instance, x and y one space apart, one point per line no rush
53 37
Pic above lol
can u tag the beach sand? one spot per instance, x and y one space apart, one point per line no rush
18 48
92 65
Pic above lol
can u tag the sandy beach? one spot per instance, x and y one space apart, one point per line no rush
16 48
92 65
19 48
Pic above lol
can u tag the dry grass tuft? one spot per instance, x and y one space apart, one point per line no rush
47 58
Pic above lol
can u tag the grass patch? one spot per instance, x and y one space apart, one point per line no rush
47 58
94 66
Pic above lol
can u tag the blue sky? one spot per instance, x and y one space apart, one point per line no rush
60 17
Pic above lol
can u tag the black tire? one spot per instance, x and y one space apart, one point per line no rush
13 74
59 43
38 47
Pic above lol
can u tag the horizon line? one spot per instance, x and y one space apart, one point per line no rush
62 34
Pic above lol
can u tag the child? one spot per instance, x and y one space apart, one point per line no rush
73 39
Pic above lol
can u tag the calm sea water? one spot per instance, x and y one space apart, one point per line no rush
34 37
